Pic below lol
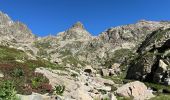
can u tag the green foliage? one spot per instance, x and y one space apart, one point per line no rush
42 44
74 75
26 81
59 89
116 79
106 98
7 91
33 64
65 53
8 54
18 72
122 53
157 87
37 81
102 91
161 97
42 53
73 61
124 98
119 56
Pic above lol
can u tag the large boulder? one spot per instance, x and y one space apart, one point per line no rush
137 90
35 96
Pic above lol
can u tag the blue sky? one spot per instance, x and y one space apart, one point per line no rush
45 17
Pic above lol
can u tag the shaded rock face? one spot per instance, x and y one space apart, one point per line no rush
152 61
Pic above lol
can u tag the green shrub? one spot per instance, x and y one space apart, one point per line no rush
38 80
33 64
59 89
8 54
18 72
124 98
23 74
7 91
157 87
102 91
74 75
161 97
42 44
106 98
73 61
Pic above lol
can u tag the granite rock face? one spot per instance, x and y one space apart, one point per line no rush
132 33
11 31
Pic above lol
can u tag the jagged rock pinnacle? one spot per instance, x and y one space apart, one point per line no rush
76 32
5 19
78 25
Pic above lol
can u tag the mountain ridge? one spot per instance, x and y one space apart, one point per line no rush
86 65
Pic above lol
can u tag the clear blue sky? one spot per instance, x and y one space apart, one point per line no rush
45 17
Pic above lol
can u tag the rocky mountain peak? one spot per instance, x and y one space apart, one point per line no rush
78 25
76 32
4 19
14 31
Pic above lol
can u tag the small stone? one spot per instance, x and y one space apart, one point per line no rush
1 75
104 72
105 88
167 81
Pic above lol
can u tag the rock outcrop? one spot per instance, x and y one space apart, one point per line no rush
16 32
132 33
136 90
84 87
152 61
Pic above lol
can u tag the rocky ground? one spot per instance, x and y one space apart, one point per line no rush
129 62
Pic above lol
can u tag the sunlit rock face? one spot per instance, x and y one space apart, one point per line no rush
76 32
11 31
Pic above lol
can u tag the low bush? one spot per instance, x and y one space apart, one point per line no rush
7 91
40 84
18 72
26 80
59 89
